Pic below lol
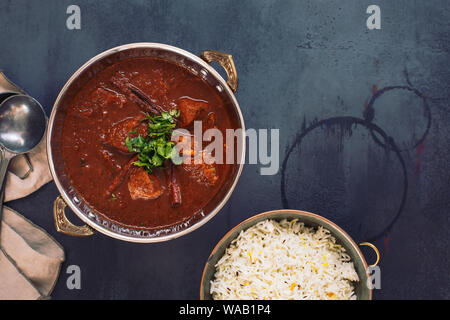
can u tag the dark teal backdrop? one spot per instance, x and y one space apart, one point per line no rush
313 70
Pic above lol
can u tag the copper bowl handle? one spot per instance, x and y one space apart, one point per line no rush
377 252
226 61
63 225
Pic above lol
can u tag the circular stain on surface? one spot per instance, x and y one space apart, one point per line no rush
404 112
336 169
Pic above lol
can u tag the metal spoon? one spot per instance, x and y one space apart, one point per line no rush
22 127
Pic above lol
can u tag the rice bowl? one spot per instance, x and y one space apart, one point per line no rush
284 260
257 263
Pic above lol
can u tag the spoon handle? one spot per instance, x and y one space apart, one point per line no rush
3 169
2 198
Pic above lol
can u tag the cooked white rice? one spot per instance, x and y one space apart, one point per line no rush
284 260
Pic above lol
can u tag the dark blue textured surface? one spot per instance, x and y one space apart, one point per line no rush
297 61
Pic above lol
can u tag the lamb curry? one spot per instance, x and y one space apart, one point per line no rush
116 143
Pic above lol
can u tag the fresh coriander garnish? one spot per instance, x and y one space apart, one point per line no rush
156 147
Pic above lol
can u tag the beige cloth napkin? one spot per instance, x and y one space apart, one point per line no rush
30 259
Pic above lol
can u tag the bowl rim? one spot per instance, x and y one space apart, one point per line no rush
117 50
295 211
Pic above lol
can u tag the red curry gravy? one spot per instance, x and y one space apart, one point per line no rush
103 113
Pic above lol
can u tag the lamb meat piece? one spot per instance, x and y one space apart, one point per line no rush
118 133
143 185
107 98
204 172
190 110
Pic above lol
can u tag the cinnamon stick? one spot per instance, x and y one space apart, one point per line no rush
173 186
135 95
144 97
121 175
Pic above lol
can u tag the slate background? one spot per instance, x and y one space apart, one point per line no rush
297 61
